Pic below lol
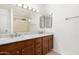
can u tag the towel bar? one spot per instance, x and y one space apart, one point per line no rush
71 17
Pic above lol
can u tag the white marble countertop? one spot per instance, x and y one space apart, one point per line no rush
21 38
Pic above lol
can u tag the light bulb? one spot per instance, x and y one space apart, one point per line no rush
29 20
30 8
34 9
37 10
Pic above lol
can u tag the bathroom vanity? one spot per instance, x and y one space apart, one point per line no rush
21 20
39 44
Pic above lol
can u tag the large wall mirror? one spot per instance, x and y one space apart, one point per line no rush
21 19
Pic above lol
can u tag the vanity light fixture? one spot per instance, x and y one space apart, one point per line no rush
27 7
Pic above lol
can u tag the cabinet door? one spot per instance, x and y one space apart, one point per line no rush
50 42
28 50
28 47
38 46
45 45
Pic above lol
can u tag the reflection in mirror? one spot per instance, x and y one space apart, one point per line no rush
21 25
46 21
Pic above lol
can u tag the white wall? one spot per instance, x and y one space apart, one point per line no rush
5 21
66 32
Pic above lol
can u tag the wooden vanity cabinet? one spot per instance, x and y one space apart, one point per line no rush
36 46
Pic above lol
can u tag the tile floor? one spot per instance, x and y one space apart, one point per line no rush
53 53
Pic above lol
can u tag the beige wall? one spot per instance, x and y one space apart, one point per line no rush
21 26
